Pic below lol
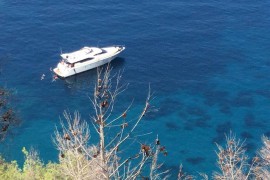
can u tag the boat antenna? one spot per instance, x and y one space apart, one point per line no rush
61 50
98 43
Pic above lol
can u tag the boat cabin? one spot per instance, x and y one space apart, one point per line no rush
82 55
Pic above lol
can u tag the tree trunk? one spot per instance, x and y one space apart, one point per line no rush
102 149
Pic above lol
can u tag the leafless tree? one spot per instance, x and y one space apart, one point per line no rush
76 155
82 161
183 175
262 170
232 161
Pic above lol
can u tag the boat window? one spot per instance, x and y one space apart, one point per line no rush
84 60
102 52
89 51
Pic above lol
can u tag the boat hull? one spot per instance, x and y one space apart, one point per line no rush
63 71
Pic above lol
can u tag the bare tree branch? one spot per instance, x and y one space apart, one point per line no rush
81 161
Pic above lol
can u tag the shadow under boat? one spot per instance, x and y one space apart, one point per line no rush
87 78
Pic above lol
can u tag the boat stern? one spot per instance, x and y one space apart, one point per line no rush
58 72
62 70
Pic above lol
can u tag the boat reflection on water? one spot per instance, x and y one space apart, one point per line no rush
87 79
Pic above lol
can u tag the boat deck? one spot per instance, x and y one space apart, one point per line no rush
56 71
84 53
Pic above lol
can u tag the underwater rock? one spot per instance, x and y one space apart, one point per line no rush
243 99
250 120
195 160
246 135
224 127
172 126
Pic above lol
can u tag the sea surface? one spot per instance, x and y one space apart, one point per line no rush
208 63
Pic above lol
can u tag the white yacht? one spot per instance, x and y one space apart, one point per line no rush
85 59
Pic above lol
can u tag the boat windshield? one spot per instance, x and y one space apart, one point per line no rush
102 52
84 60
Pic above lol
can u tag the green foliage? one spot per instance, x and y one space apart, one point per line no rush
33 168
52 171
9 170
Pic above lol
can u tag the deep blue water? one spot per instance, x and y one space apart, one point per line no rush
207 61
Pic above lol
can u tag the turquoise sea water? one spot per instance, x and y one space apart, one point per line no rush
207 61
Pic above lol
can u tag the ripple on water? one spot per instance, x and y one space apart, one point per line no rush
263 92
